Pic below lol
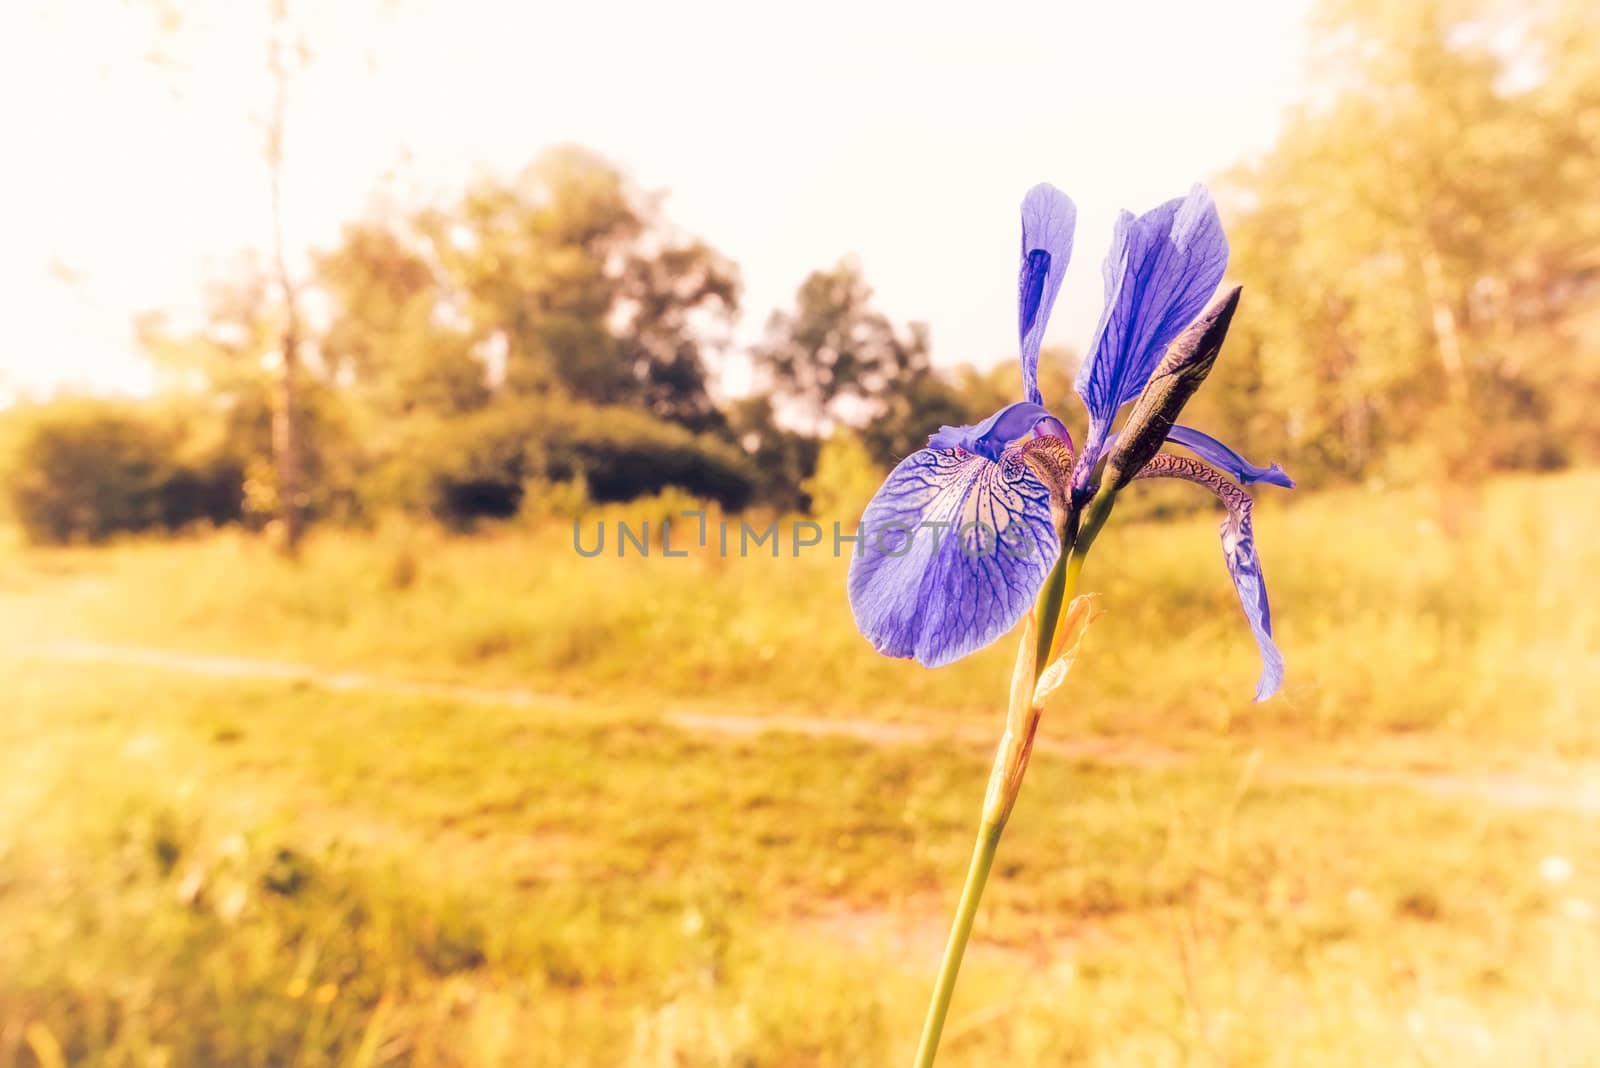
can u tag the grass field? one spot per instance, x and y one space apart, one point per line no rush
227 869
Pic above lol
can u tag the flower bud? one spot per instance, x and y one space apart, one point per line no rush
1176 377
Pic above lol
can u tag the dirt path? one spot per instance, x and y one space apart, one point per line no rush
1577 790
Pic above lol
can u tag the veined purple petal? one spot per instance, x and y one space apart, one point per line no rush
1048 219
990 437
1239 552
1217 454
1160 271
954 549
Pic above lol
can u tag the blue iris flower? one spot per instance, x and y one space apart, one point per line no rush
962 535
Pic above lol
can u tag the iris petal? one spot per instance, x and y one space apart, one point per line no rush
954 549
1160 271
990 437
1048 219
1239 552
1217 454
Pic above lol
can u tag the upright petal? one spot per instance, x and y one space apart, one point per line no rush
1217 454
954 549
1177 376
1239 552
1159 273
1048 219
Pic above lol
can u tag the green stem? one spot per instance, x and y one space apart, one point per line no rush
977 874
1059 588
1099 512
1056 594
1067 572
1049 610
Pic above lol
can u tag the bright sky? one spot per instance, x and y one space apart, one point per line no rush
904 133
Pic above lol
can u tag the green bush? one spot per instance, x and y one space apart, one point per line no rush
623 454
480 465
85 470
332 452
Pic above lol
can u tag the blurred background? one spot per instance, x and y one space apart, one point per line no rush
324 324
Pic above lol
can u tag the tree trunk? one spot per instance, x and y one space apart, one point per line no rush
286 415
286 439
1446 330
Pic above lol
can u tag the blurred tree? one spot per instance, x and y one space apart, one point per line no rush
835 357
389 334
667 302
575 282
1419 249
230 360
177 34
835 361
562 285
286 52
845 480
925 399
230 350
88 469
920 403
784 458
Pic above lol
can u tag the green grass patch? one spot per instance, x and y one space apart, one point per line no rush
1465 612
210 871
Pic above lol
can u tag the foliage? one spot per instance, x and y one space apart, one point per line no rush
784 458
549 327
479 464
623 454
919 403
386 336
846 478
228 367
1421 300
90 469
835 356
564 278
1417 250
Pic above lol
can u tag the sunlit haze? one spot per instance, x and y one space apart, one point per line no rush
904 134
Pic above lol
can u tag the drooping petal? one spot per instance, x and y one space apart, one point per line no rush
1239 551
1160 271
954 548
990 437
1217 454
1048 219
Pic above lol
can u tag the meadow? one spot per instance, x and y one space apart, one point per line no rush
428 798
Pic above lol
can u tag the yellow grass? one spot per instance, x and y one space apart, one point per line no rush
1396 863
